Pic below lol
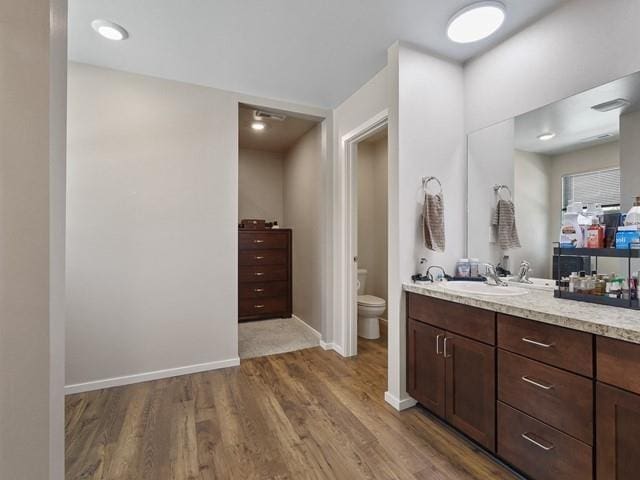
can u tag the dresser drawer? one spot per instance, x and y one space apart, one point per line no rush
262 306
557 346
618 363
265 273
263 240
540 451
471 322
262 257
262 290
561 399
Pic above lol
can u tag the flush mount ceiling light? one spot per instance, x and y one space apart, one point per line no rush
259 126
546 136
612 105
475 22
110 30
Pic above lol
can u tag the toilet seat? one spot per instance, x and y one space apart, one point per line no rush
370 301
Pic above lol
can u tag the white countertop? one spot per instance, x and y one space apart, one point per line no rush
542 306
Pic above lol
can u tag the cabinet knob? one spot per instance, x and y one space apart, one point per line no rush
258 274
258 306
258 241
258 257
258 290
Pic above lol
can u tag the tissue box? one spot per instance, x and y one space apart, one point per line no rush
628 237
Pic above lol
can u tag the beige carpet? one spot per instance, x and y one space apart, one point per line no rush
268 337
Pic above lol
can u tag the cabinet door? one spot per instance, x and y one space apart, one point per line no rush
618 433
425 365
470 388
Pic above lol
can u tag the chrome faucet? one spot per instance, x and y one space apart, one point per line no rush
492 276
523 273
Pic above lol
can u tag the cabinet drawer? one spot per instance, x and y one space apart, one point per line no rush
561 399
262 240
557 346
262 257
540 451
262 306
262 290
457 318
618 363
267 273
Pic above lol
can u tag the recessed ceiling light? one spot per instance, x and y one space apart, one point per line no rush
258 126
110 30
475 22
546 136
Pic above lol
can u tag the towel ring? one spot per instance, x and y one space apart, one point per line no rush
426 180
499 188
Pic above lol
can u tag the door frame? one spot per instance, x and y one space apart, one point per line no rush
345 289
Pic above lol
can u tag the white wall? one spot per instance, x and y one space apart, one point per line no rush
426 138
630 158
490 163
583 44
303 207
32 139
261 185
532 197
370 100
152 237
372 182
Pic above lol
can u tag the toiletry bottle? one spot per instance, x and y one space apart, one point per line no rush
595 237
633 216
571 235
573 280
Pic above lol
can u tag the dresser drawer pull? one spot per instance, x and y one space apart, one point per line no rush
536 343
446 351
258 306
537 384
546 448
438 337
258 290
258 257
258 274
258 241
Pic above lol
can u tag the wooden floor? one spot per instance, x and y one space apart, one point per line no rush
306 414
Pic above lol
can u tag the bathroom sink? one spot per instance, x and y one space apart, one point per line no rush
479 288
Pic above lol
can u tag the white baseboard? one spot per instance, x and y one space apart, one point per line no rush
313 330
325 345
398 404
148 376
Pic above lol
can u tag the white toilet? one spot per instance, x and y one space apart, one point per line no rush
369 310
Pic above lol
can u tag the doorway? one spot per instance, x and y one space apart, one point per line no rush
347 286
280 245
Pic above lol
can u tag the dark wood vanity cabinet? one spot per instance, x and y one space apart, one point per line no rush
451 374
550 401
264 274
617 410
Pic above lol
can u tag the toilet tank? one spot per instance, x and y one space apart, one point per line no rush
362 280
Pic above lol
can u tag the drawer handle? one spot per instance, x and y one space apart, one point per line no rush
258 257
544 447
258 274
258 306
438 352
258 290
536 343
258 241
537 384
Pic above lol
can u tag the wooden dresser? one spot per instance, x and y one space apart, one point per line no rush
264 274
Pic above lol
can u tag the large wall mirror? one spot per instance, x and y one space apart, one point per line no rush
585 148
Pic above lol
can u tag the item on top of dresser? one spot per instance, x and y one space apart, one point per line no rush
628 237
252 223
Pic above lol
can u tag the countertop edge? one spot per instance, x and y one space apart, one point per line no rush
486 303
